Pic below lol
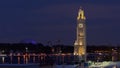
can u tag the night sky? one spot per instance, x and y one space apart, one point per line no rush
52 20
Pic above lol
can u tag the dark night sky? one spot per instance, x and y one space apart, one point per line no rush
44 20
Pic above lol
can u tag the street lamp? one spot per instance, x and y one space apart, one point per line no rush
26 48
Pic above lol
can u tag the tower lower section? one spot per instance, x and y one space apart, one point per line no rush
80 53
80 43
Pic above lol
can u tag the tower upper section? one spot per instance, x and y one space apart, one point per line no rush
81 14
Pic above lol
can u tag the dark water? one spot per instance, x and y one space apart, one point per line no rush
49 60
42 60
18 60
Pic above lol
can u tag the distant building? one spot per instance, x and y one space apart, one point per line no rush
21 48
28 41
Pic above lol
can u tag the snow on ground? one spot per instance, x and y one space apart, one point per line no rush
105 64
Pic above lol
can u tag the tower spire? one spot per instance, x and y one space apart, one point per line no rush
81 14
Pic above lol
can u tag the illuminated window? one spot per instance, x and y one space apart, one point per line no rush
81 51
81 34
80 43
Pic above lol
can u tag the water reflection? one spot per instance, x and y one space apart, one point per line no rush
3 59
19 58
43 59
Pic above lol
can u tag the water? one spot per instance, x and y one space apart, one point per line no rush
18 60
49 60
42 59
36 58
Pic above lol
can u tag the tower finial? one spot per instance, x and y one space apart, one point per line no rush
80 7
81 14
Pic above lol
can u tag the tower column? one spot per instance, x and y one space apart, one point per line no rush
80 43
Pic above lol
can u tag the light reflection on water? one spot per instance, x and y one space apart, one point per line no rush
42 59
35 58
19 59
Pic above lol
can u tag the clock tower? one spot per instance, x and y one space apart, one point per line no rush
80 43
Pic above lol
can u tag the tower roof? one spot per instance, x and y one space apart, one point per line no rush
81 14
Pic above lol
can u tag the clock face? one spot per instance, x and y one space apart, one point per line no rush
81 25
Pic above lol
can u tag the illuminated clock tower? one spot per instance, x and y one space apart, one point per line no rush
80 43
